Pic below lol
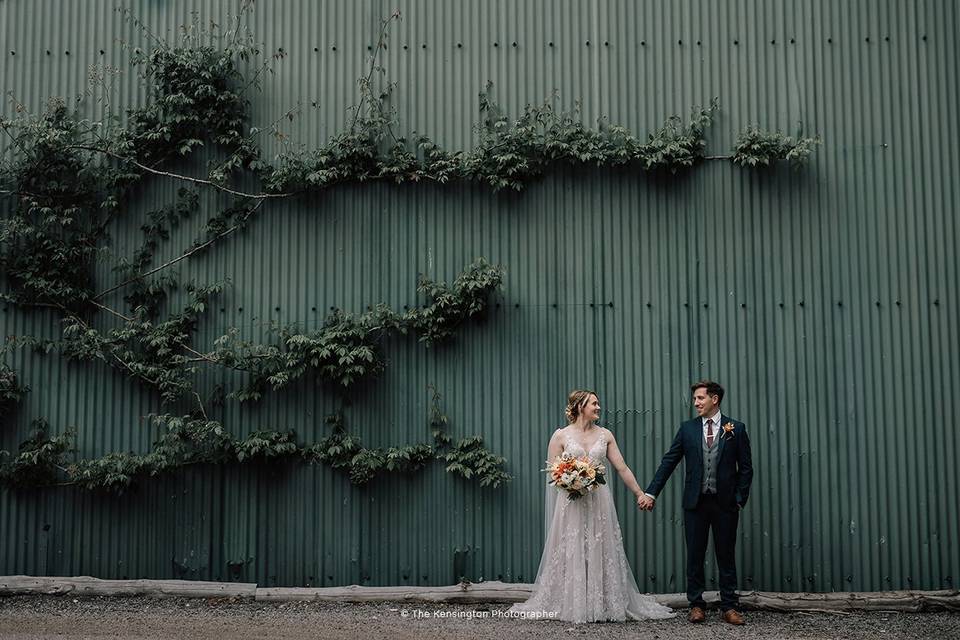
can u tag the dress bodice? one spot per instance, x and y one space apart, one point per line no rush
597 451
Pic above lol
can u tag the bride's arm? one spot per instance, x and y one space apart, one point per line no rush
616 459
555 448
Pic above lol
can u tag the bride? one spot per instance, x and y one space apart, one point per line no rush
584 575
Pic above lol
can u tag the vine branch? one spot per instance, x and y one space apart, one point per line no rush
177 176
183 256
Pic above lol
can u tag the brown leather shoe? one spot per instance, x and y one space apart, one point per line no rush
732 616
696 615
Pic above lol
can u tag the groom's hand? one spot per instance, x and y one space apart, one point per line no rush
645 502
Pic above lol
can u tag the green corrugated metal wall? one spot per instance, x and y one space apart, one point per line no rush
825 300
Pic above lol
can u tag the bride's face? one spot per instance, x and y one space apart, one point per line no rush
591 411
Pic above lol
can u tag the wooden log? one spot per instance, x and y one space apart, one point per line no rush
833 601
467 593
853 601
493 592
87 586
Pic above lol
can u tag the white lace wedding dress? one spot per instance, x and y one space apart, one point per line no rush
584 575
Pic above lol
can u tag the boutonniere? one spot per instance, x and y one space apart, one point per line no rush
728 431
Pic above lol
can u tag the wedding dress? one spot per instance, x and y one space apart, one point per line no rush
584 575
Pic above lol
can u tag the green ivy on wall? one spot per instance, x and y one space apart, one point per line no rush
65 180
189 440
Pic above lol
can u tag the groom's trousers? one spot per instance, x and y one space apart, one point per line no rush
698 522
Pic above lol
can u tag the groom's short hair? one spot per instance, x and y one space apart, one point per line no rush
713 388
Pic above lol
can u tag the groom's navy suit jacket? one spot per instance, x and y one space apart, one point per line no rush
734 467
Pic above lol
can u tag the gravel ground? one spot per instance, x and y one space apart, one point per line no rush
31 617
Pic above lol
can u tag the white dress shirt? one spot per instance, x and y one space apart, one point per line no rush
716 425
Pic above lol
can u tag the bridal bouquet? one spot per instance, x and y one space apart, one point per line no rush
576 476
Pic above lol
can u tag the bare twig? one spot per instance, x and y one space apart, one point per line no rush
177 176
245 6
6 130
128 15
21 303
200 402
111 311
29 194
256 76
200 357
810 612
183 256
123 362
373 64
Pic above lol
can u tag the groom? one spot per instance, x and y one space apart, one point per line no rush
717 483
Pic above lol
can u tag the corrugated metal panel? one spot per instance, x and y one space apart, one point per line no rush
825 300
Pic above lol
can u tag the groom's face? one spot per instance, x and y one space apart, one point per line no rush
706 405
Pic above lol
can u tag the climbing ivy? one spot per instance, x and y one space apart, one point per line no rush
156 353
38 460
346 452
10 390
189 440
510 153
65 180
145 296
60 204
762 148
467 457
449 306
347 348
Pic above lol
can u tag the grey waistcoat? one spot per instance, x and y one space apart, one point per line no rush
711 455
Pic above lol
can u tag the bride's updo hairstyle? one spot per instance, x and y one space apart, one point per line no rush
575 403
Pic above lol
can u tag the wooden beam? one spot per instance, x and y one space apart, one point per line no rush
87 586
465 593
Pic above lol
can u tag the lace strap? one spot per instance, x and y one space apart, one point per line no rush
601 439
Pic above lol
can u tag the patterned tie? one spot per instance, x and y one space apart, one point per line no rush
709 433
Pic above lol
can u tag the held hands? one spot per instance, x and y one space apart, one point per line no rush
645 502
